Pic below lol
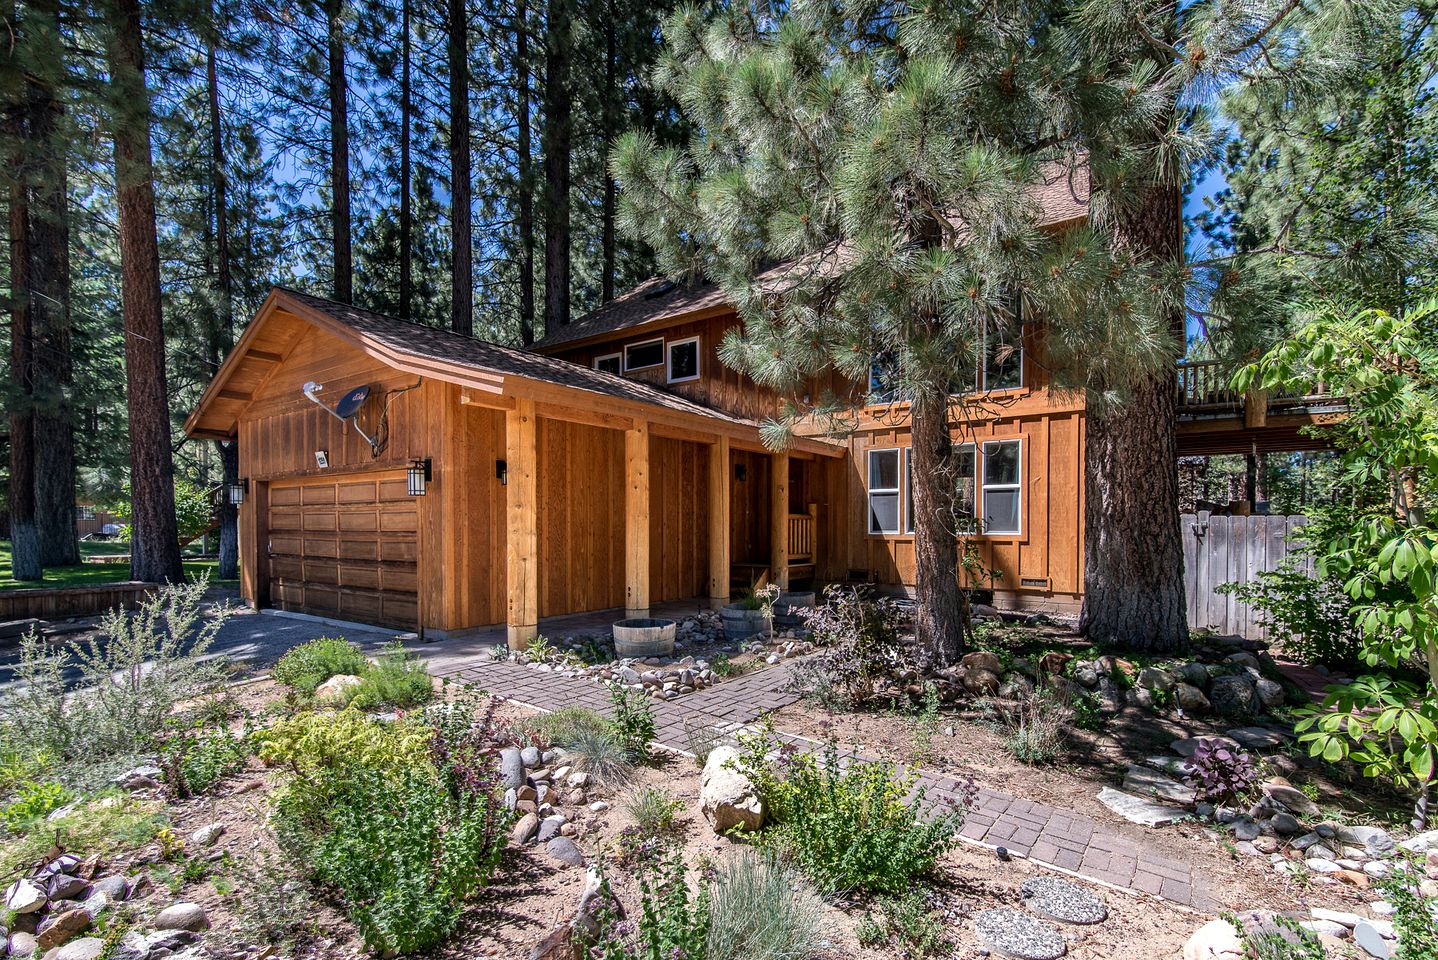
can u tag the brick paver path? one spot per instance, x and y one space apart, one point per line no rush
1059 839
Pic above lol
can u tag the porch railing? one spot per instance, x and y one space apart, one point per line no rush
801 536
1203 387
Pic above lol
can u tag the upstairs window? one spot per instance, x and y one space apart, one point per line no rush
642 355
609 363
884 491
683 360
1003 360
1003 486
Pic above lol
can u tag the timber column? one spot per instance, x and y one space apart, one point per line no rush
636 520
779 519
719 493
521 511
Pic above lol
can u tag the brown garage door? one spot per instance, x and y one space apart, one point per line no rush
345 548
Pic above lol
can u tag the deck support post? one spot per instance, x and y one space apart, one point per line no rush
636 520
521 509
719 497
779 519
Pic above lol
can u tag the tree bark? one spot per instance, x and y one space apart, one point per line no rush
526 175
557 121
24 541
941 614
154 540
607 206
406 215
223 336
461 286
339 155
49 303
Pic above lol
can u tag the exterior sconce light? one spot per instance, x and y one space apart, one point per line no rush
501 472
741 473
235 492
417 476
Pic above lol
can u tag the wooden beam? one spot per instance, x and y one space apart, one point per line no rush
235 395
264 356
484 398
522 538
254 534
636 520
720 473
593 418
779 519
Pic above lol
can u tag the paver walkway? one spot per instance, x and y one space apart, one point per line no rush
1059 839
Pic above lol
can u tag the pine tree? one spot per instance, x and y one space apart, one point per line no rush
460 173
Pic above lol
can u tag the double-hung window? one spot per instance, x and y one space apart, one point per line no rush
1003 486
965 490
884 492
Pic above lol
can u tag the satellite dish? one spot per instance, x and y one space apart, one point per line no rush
351 402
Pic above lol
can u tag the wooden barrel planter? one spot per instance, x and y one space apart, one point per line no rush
787 607
644 637
741 622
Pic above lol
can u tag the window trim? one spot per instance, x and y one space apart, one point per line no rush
663 355
908 524
610 356
984 379
984 486
870 490
669 359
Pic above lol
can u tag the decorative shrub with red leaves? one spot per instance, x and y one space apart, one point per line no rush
1220 772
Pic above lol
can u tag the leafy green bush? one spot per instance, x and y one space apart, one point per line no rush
1413 919
1279 939
195 759
653 810
34 801
1310 617
316 746
908 920
848 827
305 667
136 669
397 678
671 923
759 909
633 723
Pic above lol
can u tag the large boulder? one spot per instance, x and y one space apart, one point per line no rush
982 660
1152 678
24 897
183 916
1215 940
1190 699
727 796
1290 798
981 683
1234 695
63 927
1270 693
337 688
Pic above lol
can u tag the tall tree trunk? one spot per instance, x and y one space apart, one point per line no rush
406 215
1133 545
611 124
339 154
557 120
526 175
223 336
942 611
461 281
49 304
24 541
154 540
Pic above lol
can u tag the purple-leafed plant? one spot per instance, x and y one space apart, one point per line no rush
1220 772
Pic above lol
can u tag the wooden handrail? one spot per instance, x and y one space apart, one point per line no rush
1204 385
801 536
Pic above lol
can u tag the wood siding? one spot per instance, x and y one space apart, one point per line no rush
581 518
678 519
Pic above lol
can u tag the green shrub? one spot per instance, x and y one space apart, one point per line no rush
863 651
567 724
1034 729
848 827
305 667
1279 939
908 920
316 746
1413 919
1310 617
134 672
633 723
653 810
20 765
759 909
397 678
99 826
196 759
671 922
34 801
598 754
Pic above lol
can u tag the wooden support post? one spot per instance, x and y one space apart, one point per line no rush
255 545
779 519
636 520
522 508
719 474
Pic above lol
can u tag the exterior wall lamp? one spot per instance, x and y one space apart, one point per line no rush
417 476
235 492
501 472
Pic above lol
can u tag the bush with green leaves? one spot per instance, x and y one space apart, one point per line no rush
632 725
402 821
1278 938
909 921
1413 921
397 678
1310 617
671 922
848 826
134 672
862 649
34 801
304 667
196 758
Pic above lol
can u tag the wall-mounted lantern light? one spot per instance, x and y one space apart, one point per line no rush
740 473
501 472
235 492
417 476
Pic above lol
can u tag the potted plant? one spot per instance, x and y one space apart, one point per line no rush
753 614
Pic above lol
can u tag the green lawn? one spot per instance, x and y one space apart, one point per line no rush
88 573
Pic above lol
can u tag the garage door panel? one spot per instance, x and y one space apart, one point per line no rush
401 551
352 522
364 577
394 490
398 578
321 571
317 493
285 518
284 496
397 609
320 520
365 492
359 550
399 522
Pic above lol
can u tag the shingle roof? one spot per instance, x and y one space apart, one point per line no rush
432 343
1062 198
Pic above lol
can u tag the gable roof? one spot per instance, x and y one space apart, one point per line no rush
443 355
1062 198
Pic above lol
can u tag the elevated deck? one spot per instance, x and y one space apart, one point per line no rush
1214 419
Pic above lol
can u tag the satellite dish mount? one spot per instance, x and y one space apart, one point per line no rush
347 411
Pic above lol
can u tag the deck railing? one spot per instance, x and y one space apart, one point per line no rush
801 536
1203 387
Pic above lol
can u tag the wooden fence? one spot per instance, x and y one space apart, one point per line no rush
1223 549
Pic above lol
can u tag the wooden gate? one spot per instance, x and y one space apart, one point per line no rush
1224 549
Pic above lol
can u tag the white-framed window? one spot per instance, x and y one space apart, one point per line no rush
610 363
644 354
85 512
683 360
884 473
1003 487
965 493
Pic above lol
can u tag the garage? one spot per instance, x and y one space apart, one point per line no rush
345 548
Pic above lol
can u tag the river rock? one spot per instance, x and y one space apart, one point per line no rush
208 835
1215 940
23 944
524 829
565 851
1290 798
60 928
86 948
982 660
183 916
22 896
1234 695
727 797
337 687
1372 941
511 768
1190 699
